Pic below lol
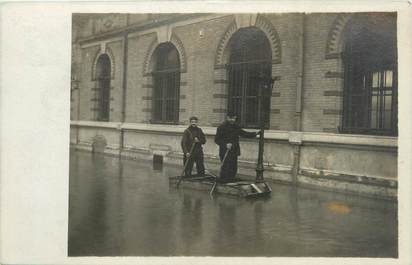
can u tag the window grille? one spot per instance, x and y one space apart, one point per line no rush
166 79
249 75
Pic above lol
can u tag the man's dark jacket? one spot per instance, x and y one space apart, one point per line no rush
230 133
189 138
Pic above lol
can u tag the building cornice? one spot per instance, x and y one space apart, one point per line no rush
150 24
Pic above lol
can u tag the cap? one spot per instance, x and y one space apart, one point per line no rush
231 114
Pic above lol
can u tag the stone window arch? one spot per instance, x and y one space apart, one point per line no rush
107 51
262 23
148 65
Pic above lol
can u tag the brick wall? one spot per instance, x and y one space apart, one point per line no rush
284 98
87 85
116 48
322 91
200 41
139 87
204 84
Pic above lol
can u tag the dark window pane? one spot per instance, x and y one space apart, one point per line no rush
103 70
166 84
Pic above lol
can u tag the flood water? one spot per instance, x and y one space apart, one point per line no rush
126 208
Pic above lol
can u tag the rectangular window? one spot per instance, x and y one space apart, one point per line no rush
250 92
370 104
166 97
104 99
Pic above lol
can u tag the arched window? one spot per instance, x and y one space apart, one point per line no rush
103 70
370 59
249 74
166 80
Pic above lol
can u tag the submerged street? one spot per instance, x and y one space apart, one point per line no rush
126 208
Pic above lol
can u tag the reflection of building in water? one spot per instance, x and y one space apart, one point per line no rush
226 232
191 222
331 116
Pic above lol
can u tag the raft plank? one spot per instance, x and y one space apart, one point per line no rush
240 188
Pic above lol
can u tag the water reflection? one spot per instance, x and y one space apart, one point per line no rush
190 222
125 208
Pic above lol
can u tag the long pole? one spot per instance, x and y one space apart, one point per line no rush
186 163
124 91
221 168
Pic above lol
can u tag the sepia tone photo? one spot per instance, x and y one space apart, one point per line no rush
234 135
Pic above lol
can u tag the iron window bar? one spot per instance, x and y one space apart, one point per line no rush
249 87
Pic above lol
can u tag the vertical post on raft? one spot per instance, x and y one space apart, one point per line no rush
259 166
268 84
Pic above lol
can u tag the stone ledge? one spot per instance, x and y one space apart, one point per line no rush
96 124
348 187
312 137
360 179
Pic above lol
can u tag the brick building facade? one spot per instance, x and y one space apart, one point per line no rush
331 114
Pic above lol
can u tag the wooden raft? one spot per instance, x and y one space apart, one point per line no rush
240 188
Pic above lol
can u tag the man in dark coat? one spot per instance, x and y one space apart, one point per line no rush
227 137
192 140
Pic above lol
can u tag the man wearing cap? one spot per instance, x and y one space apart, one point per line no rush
227 138
192 141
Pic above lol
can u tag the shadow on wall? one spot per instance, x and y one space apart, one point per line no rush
99 144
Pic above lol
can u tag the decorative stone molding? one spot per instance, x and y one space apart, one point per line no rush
245 20
148 57
240 21
105 50
332 112
266 26
219 96
219 110
334 40
164 33
220 81
175 40
330 74
231 29
333 93
295 137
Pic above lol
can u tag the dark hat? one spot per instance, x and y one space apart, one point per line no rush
231 114
193 118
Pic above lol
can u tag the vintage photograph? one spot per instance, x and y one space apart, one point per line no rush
234 135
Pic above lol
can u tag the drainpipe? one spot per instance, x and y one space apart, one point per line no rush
78 115
299 102
124 90
300 73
